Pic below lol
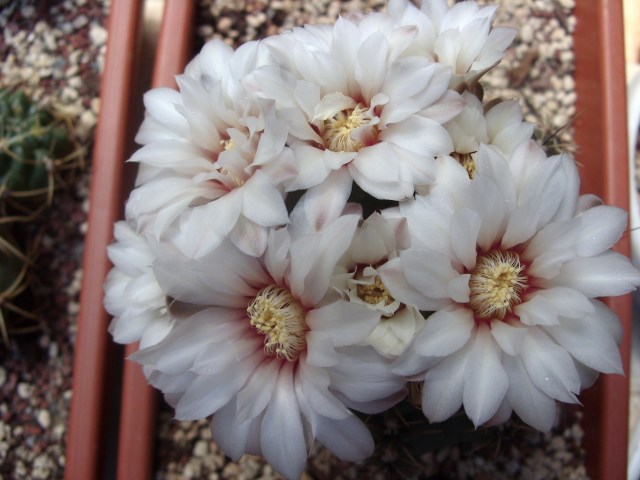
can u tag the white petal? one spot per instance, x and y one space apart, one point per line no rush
602 228
253 398
465 225
281 433
325 202
320 349
603 275
232 434
371 65
363 375
587 341
419 135
209 393
349 439
443 386
485 381
392 276
347 323
428 272
531 405
262 202
249 237
537 311
550 367
508 337
444 332
314 383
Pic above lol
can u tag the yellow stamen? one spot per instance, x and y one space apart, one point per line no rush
375 293
228 144
467 161
496 284
280 318
337 130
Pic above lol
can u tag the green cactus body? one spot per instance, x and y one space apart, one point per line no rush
35 147
29 138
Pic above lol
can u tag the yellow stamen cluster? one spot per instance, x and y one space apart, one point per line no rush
337 130
375 293
467 161
497 283
228 144
280 318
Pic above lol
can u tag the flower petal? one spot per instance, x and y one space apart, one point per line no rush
485 381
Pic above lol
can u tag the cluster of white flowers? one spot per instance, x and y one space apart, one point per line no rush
329 213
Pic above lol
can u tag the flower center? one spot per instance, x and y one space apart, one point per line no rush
228 144
280 318
338 130
497 283
375 293
467 161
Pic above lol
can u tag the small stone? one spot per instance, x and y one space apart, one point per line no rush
224 24
88 120
201 448
44 418
75 82
95 105
80 21
24 390
98 34
27 11
68 95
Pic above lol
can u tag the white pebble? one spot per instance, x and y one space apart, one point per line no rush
44 418
201 448
24 390
80 21
98 34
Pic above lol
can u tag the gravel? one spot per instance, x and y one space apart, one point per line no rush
54 51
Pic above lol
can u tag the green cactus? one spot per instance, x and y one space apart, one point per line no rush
36 147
